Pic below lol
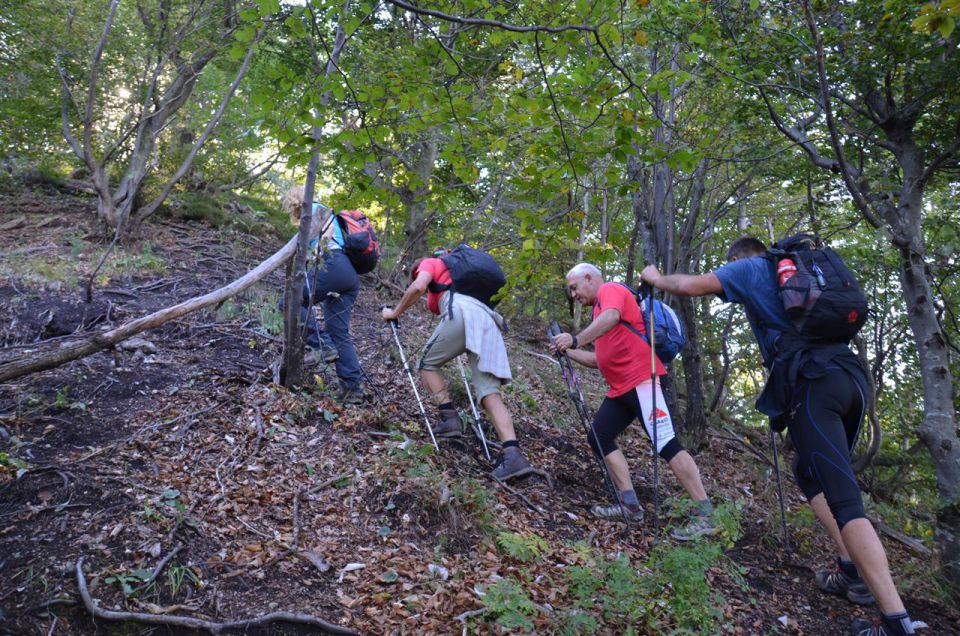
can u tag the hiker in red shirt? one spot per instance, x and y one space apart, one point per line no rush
467 325
623 357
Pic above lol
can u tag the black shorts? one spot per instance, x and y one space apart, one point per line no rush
617 413
824 426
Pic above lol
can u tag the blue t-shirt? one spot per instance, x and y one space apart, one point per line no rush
751 283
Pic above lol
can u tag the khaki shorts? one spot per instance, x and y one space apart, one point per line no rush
448 341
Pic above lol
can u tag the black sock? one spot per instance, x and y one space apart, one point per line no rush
514 443
849 568
446 406
898 623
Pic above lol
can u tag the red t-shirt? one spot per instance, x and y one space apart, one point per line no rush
441 276
622 356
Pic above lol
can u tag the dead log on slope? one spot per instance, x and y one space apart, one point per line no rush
74 350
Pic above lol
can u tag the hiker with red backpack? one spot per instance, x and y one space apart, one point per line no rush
623 357
346 247
804 306
460 286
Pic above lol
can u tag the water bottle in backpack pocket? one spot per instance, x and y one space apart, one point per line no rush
822 298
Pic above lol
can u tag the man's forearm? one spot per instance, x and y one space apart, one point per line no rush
586 358
606 321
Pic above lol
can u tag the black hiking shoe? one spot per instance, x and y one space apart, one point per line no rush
511 464
616 511
450 424
879 627
838 583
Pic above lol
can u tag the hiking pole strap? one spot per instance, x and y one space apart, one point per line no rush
473 408
403 360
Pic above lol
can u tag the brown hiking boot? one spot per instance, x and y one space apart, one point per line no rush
512 464
450 424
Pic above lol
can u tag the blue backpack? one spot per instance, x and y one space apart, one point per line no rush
668 328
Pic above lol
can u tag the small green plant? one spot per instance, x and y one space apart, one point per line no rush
61 401
470 497
177 574
152 514
228 310
509 604
271 317
128 581
522 547
171 500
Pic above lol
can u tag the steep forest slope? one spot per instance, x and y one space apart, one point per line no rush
189 485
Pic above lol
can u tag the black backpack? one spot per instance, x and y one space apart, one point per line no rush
822 299
474 273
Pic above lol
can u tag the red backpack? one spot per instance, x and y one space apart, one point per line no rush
360 242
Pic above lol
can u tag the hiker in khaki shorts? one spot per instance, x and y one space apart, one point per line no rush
467 325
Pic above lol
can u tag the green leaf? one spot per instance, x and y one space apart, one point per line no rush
390 576
946 27
698 38
754 5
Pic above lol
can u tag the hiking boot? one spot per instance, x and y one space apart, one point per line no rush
511 464
838 583
616 511
878 627
354 396
450 424
698 526
313 356
329 354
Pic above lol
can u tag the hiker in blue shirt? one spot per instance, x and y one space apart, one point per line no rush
334 284
822 394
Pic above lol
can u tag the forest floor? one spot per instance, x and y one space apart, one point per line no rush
175 455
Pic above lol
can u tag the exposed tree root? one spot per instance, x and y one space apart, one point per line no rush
196 623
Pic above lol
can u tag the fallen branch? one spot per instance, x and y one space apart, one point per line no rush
34 361
157 570
518 494
189 622
328 482
914 544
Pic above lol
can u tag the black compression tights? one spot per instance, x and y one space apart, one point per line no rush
824 428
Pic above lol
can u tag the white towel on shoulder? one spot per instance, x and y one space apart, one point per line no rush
482 327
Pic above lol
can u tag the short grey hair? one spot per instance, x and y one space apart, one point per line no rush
582 269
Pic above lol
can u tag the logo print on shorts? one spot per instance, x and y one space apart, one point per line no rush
661 416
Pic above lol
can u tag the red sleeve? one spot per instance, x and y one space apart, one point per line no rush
430 265
616 296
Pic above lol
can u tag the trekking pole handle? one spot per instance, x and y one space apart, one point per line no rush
395 321
554 329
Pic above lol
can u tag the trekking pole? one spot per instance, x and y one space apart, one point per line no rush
653 392
473 408
573 386
403 359
783 510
